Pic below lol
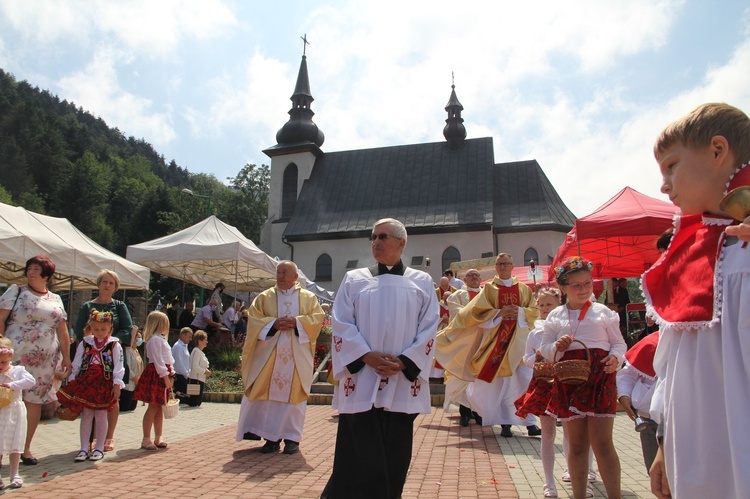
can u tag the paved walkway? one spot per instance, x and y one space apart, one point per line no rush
203 460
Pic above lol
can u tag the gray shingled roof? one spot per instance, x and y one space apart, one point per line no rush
426 186
430 187
525 200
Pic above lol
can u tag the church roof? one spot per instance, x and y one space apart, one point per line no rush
430 187
525 200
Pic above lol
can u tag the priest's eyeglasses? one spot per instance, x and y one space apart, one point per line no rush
382 236
580 286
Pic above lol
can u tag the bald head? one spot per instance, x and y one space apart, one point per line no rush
286 274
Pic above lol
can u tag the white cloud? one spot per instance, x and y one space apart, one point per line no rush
153 28
96 89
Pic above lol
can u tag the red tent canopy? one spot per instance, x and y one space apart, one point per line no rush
620 236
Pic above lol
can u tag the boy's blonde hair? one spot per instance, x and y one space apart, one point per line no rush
156 323
697 128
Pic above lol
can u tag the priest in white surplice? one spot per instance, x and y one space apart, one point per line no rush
277 362
384 322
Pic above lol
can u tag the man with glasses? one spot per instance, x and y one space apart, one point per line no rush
384 322
485 344
455 388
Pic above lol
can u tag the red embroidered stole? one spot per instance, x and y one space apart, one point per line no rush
680 286
506 329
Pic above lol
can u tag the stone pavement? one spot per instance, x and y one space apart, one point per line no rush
203 460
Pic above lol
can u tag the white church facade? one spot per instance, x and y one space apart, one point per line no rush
456 202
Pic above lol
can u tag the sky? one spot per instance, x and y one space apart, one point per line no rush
584 87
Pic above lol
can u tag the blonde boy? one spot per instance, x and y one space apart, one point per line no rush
697 291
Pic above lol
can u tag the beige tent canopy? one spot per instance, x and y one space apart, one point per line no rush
78 259
210 252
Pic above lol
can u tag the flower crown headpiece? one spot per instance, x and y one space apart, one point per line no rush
575 263
5 351
97 316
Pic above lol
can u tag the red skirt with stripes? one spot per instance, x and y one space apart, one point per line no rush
90 390
150 387
596 397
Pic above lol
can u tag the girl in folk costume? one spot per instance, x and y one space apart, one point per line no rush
587 411
156 380
13 416
95 381
536 398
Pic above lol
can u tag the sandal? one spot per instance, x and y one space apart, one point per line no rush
147 444
161 444
16 482
2 484
109 445
550 491
96 455
589 490
82 456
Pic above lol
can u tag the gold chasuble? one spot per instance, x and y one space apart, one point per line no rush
259 357
470 352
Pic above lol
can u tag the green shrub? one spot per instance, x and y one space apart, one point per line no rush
224 357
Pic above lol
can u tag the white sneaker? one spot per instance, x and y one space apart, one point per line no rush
566 476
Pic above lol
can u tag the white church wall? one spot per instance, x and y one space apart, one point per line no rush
469 244
546 243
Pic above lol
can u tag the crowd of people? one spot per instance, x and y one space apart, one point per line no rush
510 355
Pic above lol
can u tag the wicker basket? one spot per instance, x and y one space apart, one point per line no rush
544 371
66 414
6 396
573 372
172 407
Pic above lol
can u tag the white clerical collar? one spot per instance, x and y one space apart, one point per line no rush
287 292
476 290
506 282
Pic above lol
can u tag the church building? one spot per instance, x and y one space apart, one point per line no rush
456 202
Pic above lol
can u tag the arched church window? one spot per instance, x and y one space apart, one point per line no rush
450 255
529 255
324 268
289 191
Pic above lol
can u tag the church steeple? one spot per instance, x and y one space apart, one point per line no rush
454 130
300 127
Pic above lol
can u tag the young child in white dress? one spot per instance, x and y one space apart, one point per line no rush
13 415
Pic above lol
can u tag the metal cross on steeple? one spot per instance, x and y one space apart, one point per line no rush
305 43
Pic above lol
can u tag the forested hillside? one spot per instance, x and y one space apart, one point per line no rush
57 159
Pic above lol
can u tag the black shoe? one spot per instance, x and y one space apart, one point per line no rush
269 447
505 432
477 418
290 447
464 421
534 430
250 436
29 461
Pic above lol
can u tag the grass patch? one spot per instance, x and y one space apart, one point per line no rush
224 381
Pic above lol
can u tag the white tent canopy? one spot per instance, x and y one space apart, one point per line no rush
24 234
207 253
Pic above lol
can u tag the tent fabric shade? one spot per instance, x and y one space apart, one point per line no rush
620 236
207 253
78 259
210 252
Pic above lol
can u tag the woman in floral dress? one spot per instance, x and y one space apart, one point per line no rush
35 321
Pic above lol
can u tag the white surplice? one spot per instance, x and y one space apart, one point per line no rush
391 314
703 392
275 418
